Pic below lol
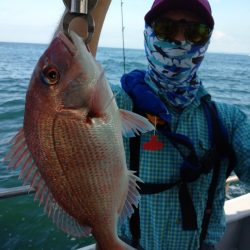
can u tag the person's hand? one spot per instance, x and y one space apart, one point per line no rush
79 25
98 14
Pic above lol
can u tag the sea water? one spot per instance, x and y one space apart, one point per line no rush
23 225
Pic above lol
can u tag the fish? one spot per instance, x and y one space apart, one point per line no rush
70 148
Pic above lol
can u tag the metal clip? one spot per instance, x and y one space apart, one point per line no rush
80 8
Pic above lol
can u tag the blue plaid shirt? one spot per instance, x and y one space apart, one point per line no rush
160 214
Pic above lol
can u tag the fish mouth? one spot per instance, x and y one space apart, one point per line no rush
67 42
74 94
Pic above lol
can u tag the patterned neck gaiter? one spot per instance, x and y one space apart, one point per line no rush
172 68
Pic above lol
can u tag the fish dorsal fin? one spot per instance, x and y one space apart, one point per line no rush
20 156
134 124
133 197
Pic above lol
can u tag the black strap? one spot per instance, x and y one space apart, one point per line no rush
134 222
217 138
209 206
222 147
188 212
155 188
134 225
232 160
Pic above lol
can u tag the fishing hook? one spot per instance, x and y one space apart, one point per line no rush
82 9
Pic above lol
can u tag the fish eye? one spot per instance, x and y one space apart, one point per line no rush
50 75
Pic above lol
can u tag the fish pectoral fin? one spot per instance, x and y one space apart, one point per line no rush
133 197
134 124
20 156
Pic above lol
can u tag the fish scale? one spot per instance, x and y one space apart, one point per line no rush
89 150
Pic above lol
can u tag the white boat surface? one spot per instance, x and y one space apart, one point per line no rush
237 235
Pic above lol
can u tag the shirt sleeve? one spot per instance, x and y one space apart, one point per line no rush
239 132
241 145
217 224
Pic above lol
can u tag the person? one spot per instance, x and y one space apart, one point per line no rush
184 163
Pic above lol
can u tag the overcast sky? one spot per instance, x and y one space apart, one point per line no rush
35 21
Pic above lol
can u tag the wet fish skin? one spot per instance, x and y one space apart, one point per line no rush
71 149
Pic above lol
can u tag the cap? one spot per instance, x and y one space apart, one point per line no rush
200 7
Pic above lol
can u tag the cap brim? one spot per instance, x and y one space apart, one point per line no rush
195 7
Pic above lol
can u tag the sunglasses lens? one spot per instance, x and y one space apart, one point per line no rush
197 33
166 29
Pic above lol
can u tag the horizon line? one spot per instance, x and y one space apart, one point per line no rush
115 47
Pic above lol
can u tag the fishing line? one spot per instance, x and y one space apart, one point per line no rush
123 42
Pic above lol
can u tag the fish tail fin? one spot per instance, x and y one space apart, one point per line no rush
118 245
125 246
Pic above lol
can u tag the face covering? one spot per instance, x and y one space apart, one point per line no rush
172 68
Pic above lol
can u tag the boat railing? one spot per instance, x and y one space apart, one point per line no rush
15 191
24 190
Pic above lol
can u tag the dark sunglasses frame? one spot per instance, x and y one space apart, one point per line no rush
166 29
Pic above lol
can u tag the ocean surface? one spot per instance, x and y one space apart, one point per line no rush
23 225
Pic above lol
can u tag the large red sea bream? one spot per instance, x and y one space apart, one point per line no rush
70 148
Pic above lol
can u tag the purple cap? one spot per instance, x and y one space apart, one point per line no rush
200 7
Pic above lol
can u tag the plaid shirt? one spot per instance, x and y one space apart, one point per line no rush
160 214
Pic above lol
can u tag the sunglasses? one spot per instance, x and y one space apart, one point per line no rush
167 29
